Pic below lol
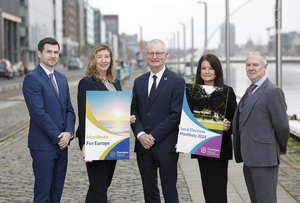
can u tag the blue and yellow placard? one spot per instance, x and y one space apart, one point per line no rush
107 126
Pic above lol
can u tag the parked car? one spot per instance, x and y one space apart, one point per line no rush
29 66
15 69
75 63
6 69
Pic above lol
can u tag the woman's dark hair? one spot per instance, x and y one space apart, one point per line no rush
216 65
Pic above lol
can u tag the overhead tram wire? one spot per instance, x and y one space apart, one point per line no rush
218 27
214 32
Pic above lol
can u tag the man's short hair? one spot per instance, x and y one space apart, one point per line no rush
157 41
263 57
47 40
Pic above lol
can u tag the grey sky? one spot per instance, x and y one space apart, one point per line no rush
159 18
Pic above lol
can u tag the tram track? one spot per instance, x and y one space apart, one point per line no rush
13 130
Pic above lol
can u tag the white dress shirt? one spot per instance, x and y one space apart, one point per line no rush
259 83
48 73
158 75
150 82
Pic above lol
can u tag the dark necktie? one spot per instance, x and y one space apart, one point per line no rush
153 88
53 83
248 93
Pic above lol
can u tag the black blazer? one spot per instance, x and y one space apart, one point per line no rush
226 145
85 84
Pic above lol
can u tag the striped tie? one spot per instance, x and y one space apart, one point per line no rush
53 83
248 93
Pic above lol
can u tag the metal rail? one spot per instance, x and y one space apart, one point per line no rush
13 132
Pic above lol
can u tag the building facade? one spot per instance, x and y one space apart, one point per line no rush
97 25
70 35
89 39
130 46
40 19
80 27
112 34
9 35
232 46
288 43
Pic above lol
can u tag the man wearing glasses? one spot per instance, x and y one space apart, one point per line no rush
157 103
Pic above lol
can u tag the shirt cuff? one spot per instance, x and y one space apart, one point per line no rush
72 136
152 137
139 135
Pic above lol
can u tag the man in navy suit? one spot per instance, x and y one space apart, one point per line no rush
52 120
157 103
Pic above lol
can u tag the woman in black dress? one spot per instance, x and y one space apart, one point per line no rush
100 75
214 171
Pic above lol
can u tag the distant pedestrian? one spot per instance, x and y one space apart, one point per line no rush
20 67
260 131
52 120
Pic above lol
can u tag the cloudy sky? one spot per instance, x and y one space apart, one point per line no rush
161 18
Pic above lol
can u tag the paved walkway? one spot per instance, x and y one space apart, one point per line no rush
237 191
16 177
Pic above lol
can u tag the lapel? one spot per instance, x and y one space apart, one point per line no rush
144 87
251 101
99 84
59 85
118 85
241 102
48 81
163 80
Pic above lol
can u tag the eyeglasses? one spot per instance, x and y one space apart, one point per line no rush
158 54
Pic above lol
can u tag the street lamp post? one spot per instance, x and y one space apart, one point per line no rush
278 43
184 51
192 58
202 2
227 44
174 49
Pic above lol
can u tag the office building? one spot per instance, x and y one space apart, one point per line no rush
9 35
222 47
70 35
40 19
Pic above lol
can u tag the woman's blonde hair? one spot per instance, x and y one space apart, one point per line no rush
91 66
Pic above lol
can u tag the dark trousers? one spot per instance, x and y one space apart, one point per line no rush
214 177
261 183
49 168
100 175
167 164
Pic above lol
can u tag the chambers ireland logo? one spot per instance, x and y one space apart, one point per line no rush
112 154
203 150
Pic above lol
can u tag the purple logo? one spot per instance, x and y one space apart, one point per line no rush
203 150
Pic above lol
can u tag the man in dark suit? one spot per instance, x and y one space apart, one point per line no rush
157 103
260 131
52 120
